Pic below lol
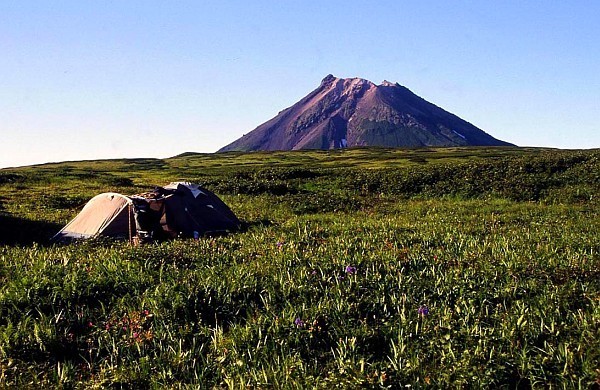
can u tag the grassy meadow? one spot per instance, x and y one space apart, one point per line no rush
375 268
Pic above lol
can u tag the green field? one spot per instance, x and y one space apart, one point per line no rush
376 268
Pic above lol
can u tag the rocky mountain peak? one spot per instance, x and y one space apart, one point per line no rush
328 80
386 83
356 112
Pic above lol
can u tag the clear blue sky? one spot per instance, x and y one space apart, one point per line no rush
110 79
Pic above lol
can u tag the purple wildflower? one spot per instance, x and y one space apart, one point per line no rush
298 322
423 310
350 269
279 244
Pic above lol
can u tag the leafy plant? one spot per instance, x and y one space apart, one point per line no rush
358 268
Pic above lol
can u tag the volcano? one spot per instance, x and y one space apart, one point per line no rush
355 112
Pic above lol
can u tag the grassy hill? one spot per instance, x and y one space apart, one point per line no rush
360 267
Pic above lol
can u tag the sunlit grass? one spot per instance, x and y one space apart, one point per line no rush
327 285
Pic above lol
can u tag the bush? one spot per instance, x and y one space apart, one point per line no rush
10 178
528 178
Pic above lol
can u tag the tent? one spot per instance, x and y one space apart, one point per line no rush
180 209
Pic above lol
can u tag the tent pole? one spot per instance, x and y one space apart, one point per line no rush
129 219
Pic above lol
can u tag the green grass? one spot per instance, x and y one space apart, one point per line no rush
324 287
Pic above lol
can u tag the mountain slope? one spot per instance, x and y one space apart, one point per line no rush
356 112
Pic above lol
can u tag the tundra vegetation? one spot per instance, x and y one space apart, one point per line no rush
461 267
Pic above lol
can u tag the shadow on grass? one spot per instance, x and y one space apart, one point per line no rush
21 231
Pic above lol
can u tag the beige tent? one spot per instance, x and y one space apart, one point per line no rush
179 209
108 214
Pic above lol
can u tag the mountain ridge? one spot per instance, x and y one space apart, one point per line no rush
354 112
